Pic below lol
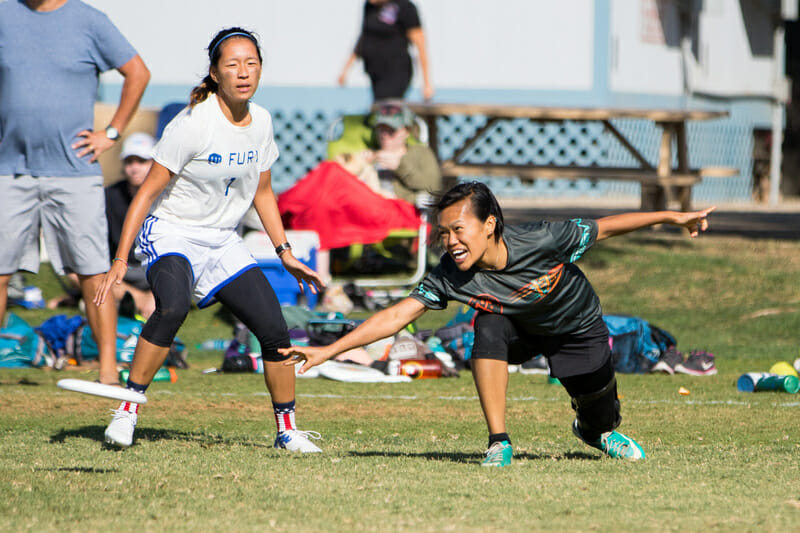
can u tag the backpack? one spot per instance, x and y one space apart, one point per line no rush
21 346
83 346
324 331
128 331
636 345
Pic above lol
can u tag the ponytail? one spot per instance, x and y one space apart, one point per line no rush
201 92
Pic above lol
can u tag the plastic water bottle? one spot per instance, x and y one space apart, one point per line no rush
415 368
214 344
761 381
258 363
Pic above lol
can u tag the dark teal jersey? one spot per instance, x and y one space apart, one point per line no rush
540 289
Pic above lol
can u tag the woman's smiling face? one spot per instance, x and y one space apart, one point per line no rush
464 236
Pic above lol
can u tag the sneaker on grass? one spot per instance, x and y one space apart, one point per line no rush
295 440
668 361
699 363
537 365
613 444
120 431
498 454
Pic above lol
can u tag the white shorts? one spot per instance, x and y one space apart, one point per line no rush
217 256
71 215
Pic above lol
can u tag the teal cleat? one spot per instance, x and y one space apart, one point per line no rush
498 454
613 444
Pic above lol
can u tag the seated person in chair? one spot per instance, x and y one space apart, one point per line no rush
399 166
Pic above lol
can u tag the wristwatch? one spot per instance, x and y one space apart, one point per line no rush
112 133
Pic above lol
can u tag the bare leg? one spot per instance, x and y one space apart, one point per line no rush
491 380
4 281
103 321
147 359
280 381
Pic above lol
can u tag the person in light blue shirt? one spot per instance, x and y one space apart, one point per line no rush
51 54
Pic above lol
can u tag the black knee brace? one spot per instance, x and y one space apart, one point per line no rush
598 412
171 280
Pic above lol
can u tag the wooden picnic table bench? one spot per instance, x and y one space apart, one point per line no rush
661 184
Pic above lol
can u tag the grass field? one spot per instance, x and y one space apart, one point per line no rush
405 456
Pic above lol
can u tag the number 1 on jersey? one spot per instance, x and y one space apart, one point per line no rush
230 182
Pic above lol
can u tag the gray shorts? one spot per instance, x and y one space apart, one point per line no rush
69 212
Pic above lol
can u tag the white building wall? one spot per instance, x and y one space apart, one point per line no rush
724 56
473 44
734 61
519 44
645 51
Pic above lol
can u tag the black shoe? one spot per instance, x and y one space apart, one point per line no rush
699 363
537 365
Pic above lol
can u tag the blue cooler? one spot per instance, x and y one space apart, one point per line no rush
304 247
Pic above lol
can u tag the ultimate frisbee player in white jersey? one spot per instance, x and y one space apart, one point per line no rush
211 164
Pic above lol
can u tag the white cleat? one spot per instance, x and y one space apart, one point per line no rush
120 431
295 440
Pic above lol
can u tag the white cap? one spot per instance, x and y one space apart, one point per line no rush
139 145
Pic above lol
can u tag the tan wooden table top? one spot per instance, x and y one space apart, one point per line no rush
559 113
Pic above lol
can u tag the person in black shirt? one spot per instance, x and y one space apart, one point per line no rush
388 28
136 156
531 299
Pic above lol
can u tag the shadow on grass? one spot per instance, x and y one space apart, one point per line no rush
205 440
80 469
23 381
461 457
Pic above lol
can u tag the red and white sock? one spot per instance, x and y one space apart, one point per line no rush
130 407
284 415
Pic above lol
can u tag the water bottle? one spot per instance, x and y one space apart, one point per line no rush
163 374
214 344
762 381
258 363
415 368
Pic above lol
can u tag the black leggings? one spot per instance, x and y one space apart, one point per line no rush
249 297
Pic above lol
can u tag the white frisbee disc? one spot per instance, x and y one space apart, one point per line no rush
99 389
351 373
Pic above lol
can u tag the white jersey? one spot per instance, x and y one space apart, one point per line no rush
217 165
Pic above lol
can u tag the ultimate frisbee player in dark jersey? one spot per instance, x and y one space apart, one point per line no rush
531 299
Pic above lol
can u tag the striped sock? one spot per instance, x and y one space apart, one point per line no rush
130 407
284 415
